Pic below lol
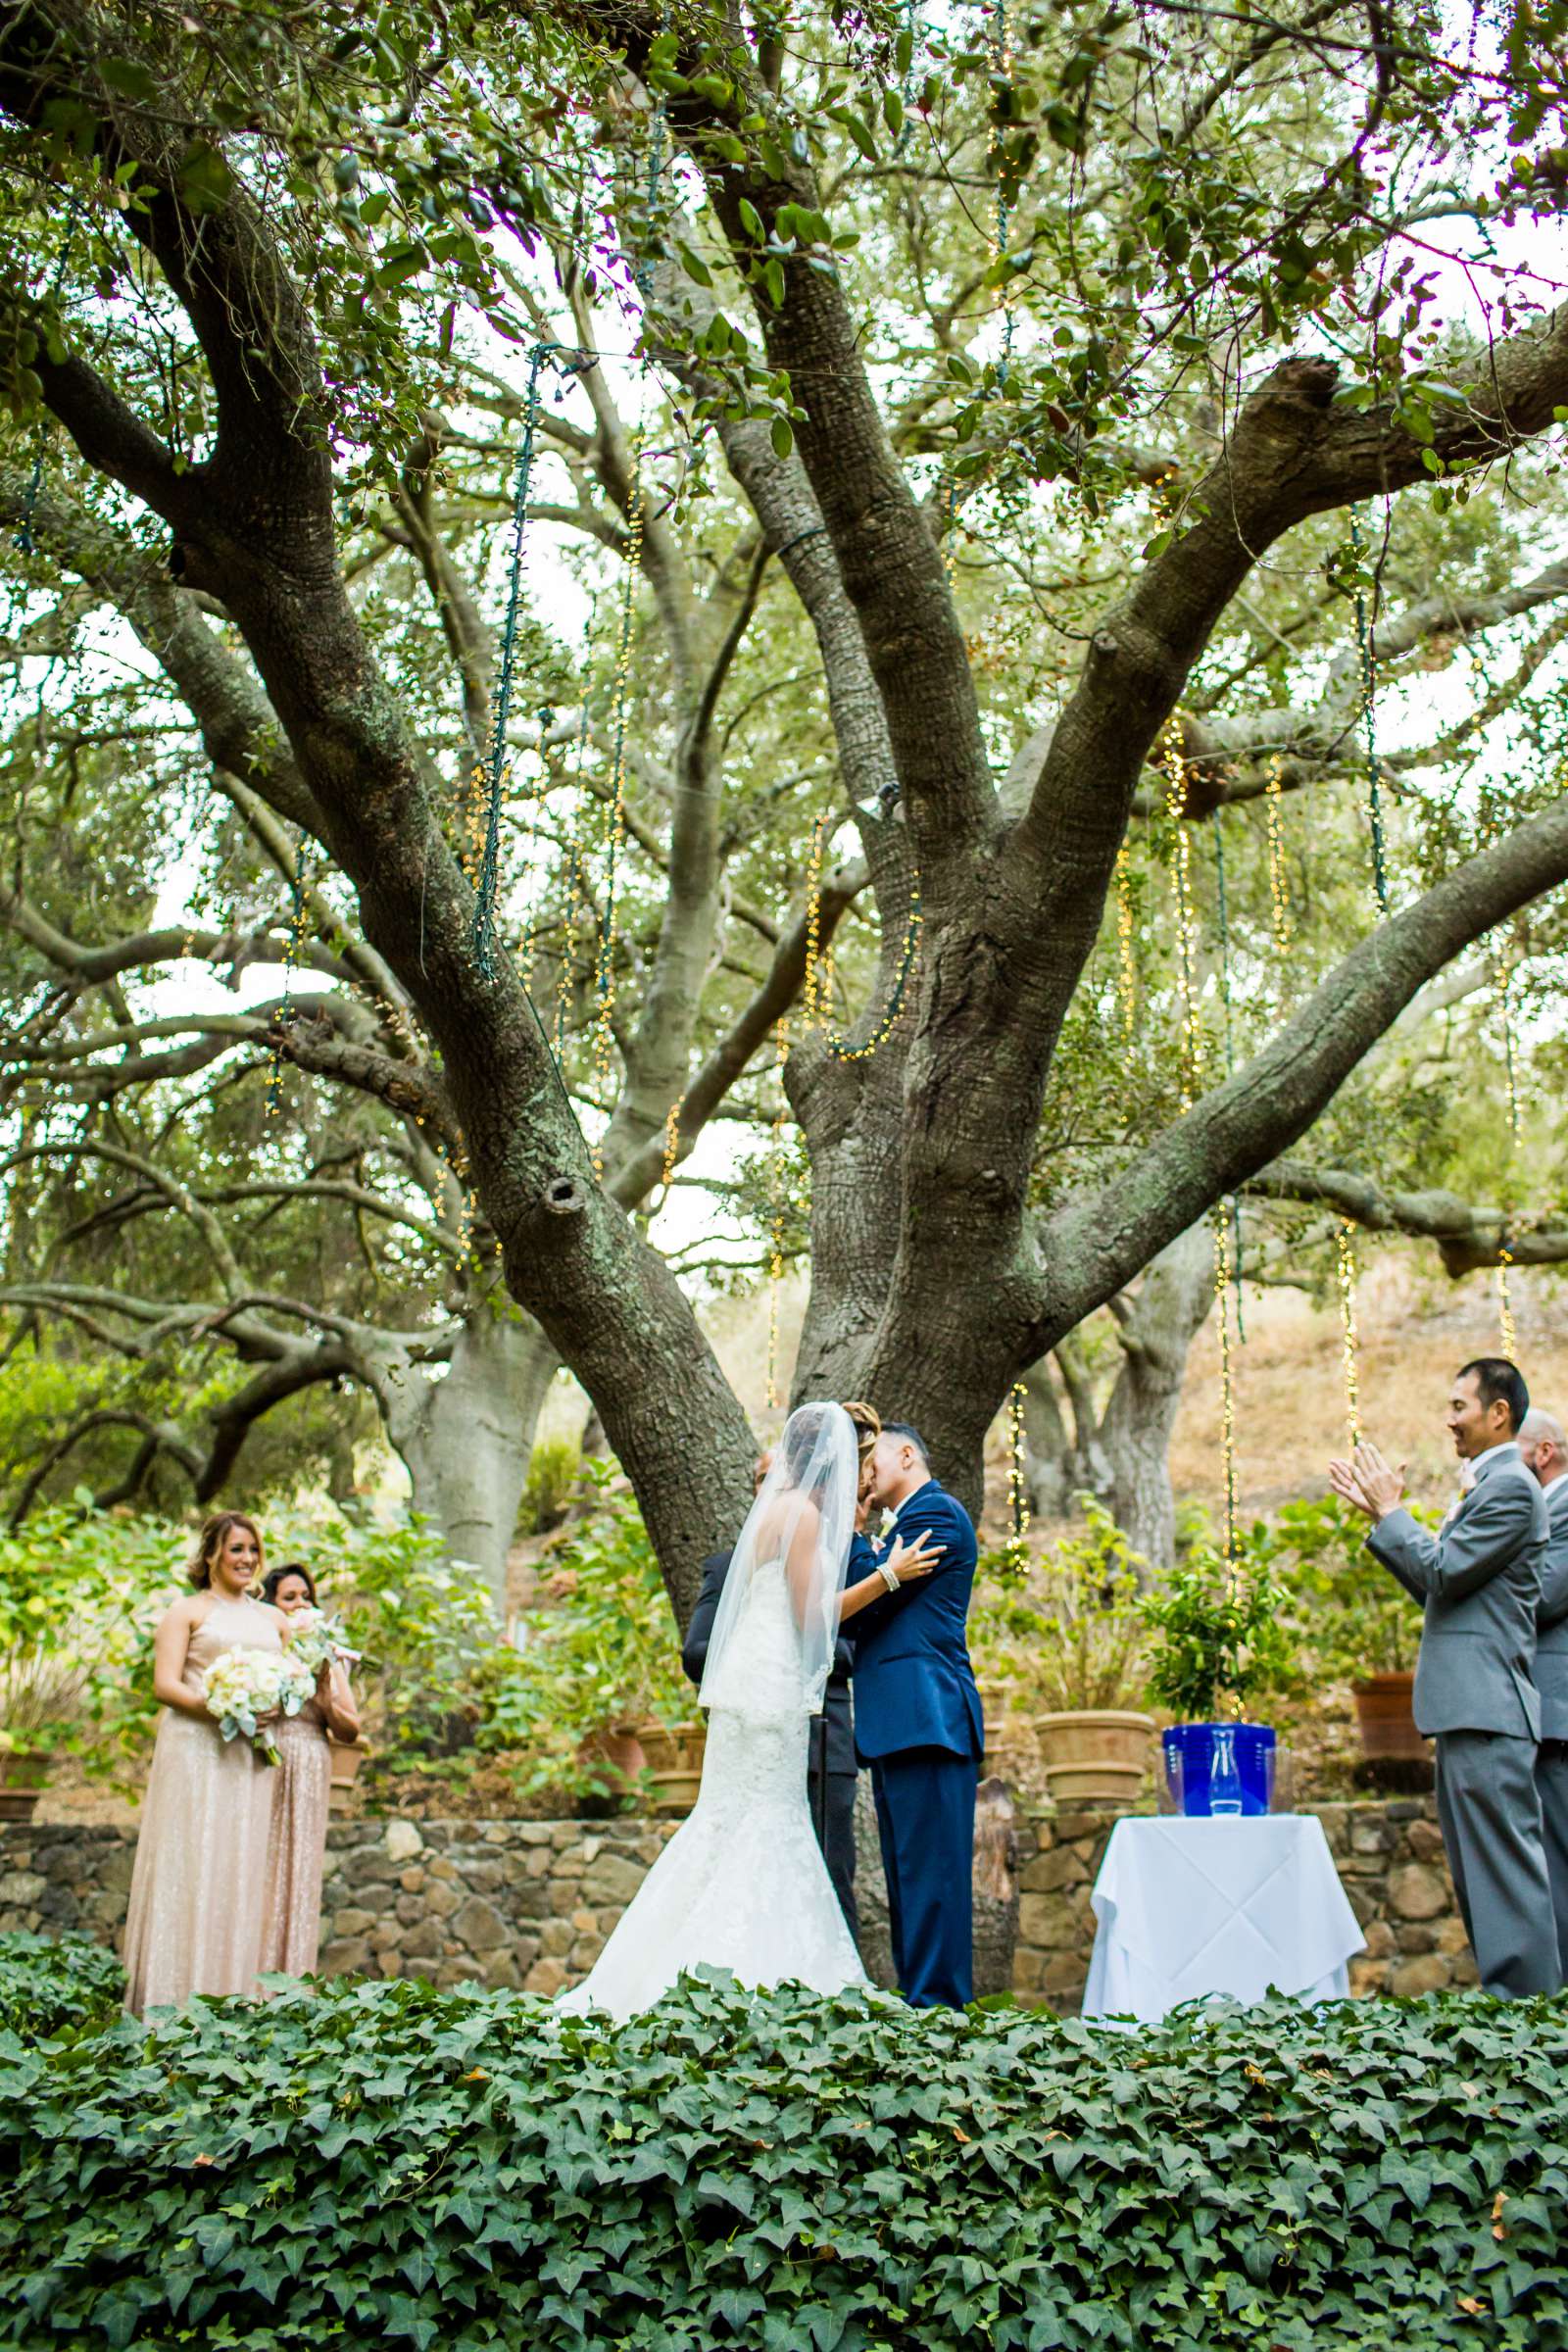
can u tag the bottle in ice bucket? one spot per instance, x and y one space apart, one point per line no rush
1224 1781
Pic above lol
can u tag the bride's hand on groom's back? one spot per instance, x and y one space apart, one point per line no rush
910 1560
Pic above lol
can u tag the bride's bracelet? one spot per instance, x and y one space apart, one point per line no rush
889 1575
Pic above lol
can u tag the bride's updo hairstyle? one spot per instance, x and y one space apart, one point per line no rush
209 1542
867 1425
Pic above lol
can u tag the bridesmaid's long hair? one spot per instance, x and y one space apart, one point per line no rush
209 1542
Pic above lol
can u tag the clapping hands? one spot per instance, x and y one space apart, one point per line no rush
1368 1483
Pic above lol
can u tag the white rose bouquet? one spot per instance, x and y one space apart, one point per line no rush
245 1684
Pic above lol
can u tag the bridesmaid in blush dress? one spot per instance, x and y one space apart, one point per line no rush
200 1879
297 1848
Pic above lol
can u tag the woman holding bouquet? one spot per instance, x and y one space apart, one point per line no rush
298 1845
199 1885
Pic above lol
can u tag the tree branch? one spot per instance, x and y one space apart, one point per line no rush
1095 1243
1468 1238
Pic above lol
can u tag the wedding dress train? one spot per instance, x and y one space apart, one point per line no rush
742 1885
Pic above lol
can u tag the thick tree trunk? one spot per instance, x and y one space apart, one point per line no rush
466 1436
1172 1305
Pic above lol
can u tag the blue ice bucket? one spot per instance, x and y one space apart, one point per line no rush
1194 1744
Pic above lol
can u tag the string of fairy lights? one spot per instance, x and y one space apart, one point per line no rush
1507 1331
1279 896
778 1204
603 1035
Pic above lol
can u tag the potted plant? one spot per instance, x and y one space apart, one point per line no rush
1072 1646
24 1776
1217 1639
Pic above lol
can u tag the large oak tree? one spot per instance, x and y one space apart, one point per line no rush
1183 249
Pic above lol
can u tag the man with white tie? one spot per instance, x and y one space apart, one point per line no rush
1543 1449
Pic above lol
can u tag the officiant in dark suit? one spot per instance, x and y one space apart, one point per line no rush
831 1767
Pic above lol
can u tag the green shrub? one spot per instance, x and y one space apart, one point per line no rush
555 1473
1072 1636
381 2165
1348 1615
81 1592
603 1651
49 1988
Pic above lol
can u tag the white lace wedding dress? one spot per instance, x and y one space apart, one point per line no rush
742 1885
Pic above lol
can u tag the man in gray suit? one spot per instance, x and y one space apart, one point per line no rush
1480 1580
1544 1448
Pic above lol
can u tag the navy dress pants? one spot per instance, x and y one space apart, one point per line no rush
925 1820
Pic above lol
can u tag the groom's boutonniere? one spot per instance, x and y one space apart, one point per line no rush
890 1520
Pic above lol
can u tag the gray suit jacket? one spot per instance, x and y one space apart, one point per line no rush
1480 1580
1552 1618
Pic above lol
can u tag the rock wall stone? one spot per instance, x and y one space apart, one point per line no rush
532 1903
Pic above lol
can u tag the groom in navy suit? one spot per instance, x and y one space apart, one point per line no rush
918 1724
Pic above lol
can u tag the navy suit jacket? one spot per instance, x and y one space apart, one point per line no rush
837 1715
913 1683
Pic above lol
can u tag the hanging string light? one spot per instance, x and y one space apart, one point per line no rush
615 820
814 995
490 777
293 947
572 870
1351 1345
1279 894
1230 1047
1506 1319
1227 1377
671 1143
1191 1034
1001 43
777 1202
1018 1481
838 1047
1126 953
1373 786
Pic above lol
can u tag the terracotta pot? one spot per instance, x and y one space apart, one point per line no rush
674 1759
23 1772
1095 1752
618 1752
347 1756
1384 1716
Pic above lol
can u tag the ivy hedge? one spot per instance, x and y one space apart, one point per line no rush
385 2165
49 1988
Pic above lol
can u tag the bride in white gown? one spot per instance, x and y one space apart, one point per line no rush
742 1885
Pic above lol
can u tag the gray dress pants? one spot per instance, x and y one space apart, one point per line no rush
1490 1811
1551 1784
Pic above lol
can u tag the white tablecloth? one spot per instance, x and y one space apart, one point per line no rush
1188 1908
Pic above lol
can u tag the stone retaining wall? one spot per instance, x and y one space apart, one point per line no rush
530 1903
